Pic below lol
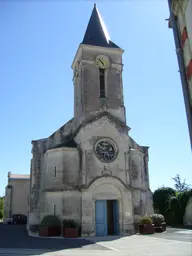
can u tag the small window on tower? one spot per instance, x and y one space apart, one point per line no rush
54 209
102 82
55 171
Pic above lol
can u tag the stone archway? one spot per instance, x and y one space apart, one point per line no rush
104 188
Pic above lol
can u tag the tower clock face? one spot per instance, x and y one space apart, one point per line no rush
102 61
105 150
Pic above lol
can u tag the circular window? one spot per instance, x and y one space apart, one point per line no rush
105 150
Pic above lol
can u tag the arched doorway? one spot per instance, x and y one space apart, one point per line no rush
102 207
107 217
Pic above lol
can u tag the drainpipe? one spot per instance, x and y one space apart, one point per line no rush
184 80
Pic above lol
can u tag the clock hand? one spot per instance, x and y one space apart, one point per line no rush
102 63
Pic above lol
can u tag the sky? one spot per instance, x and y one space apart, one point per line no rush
39 40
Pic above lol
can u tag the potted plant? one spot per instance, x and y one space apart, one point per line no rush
34 228
159 222
50 226
146 225
70 229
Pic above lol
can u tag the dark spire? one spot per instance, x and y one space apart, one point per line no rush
96 32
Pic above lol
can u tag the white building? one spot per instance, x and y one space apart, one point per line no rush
181 22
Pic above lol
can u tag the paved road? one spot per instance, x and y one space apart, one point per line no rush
14 241
15 236
183 235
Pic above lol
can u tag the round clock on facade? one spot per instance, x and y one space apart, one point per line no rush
102 61
105 150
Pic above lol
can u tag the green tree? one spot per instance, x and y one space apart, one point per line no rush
180 186
1 215
161 198
1 207
174 210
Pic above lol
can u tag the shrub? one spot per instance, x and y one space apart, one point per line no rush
157 219
69 224
1 215
50 221
161 198
145 220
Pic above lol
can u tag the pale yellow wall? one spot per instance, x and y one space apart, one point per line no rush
20 192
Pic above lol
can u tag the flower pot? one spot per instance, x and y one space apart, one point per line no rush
49 231
160 228
146 229
164 226
43 231
71 232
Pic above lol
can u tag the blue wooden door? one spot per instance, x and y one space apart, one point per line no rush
116 217
101 217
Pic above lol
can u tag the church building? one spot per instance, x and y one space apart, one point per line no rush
90 169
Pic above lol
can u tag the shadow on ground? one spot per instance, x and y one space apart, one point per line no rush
16 237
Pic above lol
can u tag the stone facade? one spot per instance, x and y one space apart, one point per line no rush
16 194
67 177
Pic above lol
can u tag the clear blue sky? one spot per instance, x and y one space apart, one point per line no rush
38 42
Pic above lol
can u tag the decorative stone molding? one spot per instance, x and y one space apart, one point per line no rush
76 72
102 179
87 62
106 170
117 66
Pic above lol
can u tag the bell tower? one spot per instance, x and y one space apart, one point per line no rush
97 73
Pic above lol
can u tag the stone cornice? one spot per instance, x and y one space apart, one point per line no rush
93 48
106 175
137 151
75 188
117 66
100 115
60 149
43 145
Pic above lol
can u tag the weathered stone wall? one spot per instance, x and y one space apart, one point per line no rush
64 204
106 188
67 180
61 169
86 84
137 175
92 167
142 203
